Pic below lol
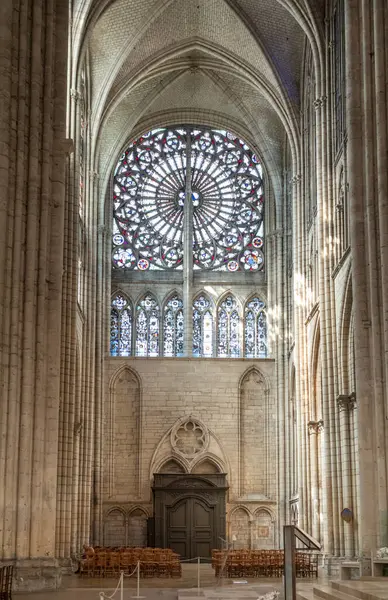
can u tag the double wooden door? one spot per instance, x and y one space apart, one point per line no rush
191 527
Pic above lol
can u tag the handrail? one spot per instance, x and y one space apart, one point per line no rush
291 532
306 539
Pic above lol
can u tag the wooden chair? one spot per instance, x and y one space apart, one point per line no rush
174 565
6 577
113 564
100 561
126 561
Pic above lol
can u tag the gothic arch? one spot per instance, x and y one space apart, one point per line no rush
234 295
180 463
315 410
345 340
167 297
139 508
141 295
115 523
260 375
125 421
254 447
201 464
165 452
266 510
239 526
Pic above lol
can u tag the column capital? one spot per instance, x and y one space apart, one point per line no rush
315 427
346 402
296 179
319 102
94 175
75 95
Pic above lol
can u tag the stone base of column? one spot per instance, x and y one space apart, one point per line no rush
34 574
331 566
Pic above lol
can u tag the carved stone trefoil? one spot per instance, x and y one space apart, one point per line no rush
346 401
315 427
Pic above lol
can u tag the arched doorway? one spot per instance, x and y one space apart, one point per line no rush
189 512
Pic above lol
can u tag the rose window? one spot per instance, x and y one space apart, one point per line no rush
150 193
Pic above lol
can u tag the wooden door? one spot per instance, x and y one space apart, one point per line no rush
190 528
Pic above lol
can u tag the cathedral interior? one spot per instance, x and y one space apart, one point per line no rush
193 241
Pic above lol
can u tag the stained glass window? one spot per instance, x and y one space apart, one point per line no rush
147 327
255 329
120 326
149 196
202 327
228 339
173 327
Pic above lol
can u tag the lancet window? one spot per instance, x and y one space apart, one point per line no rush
255 329
228 334
120 326
202 327
173 327
222 333
147 327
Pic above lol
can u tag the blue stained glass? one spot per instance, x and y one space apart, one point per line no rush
147 327
228 327
255 329
173 327
149 196
120 327
114 333
202 327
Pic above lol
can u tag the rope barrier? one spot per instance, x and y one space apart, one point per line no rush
120 583
104 596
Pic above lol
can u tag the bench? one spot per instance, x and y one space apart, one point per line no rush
346 568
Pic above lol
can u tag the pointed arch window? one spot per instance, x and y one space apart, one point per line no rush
228 333
255 329
147 327
202 327
173 327
120 326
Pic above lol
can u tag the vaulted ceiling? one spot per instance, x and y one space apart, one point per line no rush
230 63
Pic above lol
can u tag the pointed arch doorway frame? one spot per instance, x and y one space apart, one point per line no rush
189 512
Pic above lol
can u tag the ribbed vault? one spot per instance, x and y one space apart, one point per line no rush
214 62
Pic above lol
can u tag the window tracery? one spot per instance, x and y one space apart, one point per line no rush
228 339
149 197
202 327
147 327
255 329
120 326
173 327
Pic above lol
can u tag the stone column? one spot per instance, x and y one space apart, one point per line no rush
314 430
188 255
346 403
365 163
33 148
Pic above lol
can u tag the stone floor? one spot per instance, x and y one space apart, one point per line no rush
75 587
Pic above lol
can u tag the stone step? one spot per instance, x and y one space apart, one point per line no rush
359 589
305 594
328 592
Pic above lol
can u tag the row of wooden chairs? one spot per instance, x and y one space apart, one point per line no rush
154 562
260 563
6 575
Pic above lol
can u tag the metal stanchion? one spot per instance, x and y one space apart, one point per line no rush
198 575
138 582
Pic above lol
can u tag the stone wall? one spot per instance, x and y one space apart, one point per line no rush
145 403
